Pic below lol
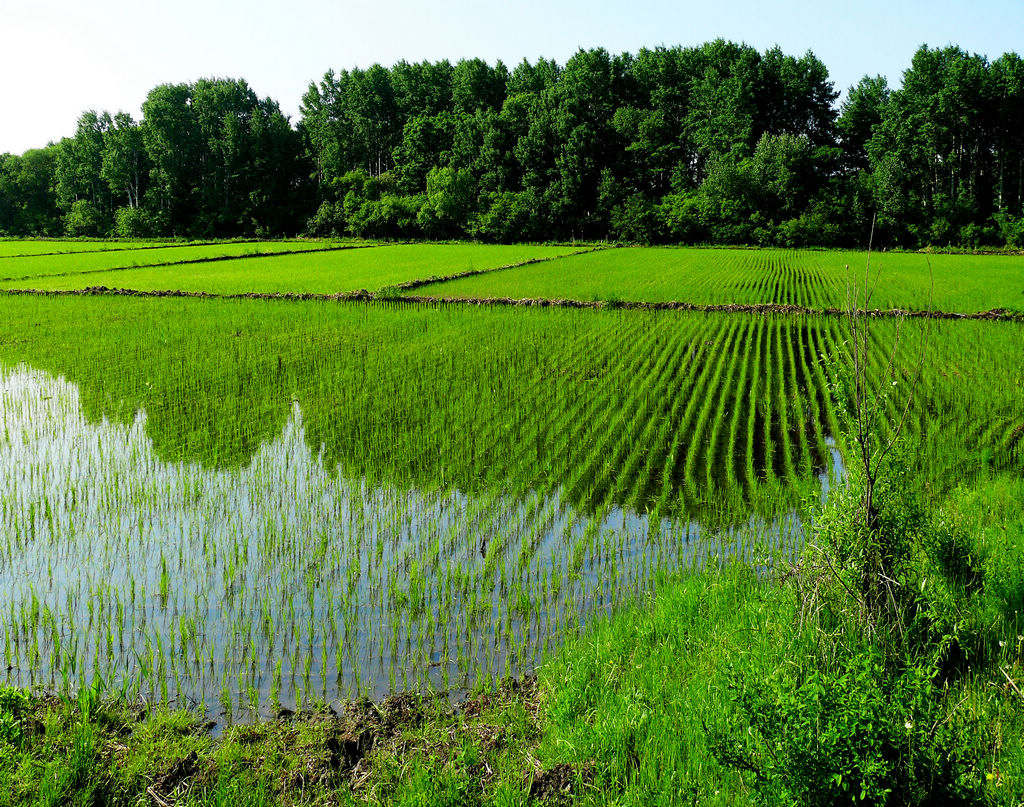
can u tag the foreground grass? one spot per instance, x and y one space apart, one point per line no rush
618 717
631 712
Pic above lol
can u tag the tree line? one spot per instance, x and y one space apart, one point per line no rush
718 143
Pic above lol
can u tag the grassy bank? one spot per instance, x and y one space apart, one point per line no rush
650 706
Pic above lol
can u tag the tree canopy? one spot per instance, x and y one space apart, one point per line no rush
718 143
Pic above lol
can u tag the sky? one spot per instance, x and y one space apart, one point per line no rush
60 57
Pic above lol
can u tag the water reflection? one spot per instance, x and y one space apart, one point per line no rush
282 580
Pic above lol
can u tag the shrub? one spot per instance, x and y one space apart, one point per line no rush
508 216
888 606
635 221
14 705
328 220
680 218
852 732
1011 229
134 222
83 218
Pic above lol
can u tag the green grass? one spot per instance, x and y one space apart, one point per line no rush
36 270
815 279
322 272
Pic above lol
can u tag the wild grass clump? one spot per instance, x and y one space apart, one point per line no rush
853 732
14 705
871 707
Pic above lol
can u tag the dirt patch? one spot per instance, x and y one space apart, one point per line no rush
523 689
347 750
178 774
558 785
350 734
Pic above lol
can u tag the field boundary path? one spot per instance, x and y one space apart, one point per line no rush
362 295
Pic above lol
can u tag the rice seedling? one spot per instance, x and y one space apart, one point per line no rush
354 498
27 270
11 248
313 272
809 278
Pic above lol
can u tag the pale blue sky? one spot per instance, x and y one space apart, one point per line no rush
58 57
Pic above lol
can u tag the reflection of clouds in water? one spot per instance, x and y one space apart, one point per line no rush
212 578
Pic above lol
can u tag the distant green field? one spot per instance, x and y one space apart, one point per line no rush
35 266
11 247
323 272
798 277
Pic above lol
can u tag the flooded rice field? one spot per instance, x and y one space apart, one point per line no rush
242 505
282 581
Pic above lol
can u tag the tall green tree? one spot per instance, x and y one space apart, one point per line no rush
125 162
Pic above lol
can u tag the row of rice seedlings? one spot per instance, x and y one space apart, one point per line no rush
815 416
782 276
720 400
658 401
735 454
766 407
282 581
779 424
798 401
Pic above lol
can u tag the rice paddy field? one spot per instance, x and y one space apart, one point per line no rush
814 279
809 278
240 503
36 270
10 248
329 272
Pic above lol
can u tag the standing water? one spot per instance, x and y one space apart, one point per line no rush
281 581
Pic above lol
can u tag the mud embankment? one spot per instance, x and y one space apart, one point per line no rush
362 295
